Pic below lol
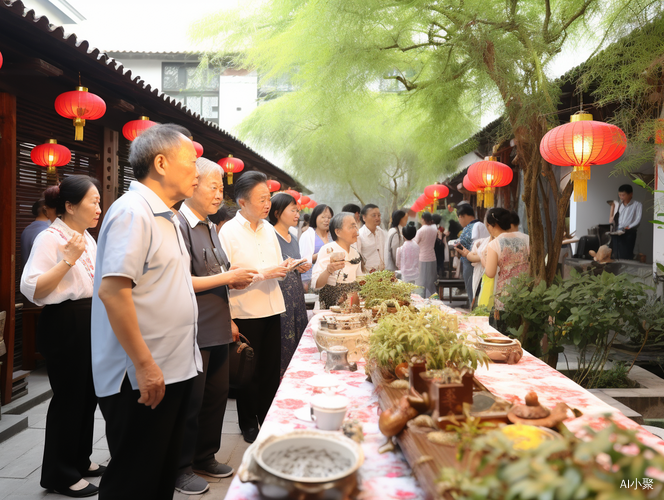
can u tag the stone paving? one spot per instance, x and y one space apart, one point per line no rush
21 455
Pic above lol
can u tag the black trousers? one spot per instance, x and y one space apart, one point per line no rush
205 411
623 245
264 335
63 337
144 443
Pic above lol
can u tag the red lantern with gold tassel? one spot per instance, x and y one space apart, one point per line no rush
436 192
80 105
231 166
273 185
50 155
580 144
134 128
490 174
474 189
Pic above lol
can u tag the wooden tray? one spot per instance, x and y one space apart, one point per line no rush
415 445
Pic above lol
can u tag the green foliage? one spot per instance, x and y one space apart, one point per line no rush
585 310
381 286
616 377
480 311
627 76
596 468
429 334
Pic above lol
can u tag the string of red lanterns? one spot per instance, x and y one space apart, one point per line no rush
436 192
134 128
580 144
80 105
50 155
231 166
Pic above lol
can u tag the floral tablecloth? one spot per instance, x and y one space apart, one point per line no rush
388 476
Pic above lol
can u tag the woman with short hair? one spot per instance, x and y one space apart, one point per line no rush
251 242
395 238
315 237
338 265
59 275
285 214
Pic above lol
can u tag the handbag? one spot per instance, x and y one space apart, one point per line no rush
242 363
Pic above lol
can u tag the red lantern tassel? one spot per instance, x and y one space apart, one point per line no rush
230 178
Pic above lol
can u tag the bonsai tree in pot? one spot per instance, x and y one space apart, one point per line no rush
383 286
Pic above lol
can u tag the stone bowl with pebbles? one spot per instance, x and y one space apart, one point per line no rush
309 457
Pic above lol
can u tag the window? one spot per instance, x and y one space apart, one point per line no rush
196 88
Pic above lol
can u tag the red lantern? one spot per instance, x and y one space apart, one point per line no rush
198 147
490 174
273 185
134 128
80 105
474 189
421 202
581 143
312 204
294 194
0 59
436 192
231 166
304 200
50 155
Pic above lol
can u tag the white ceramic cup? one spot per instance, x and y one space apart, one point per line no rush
329 411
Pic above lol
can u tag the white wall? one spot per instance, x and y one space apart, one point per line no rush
237 99
602 187
148 69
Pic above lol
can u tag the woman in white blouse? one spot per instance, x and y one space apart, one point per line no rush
338 263
59 275
313 239
251 242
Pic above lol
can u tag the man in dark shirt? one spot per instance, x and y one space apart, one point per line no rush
29 234
211 276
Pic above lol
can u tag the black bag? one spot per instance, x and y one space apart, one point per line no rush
241 363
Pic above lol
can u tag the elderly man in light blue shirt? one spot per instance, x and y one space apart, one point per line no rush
144 316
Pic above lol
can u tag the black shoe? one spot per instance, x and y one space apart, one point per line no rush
250 434
88 491
95 473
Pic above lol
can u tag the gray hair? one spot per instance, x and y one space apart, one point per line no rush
206 167
337 222
158 139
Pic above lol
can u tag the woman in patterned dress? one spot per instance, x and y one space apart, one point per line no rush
284 215
507 257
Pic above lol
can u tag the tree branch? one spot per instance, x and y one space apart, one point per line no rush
547 19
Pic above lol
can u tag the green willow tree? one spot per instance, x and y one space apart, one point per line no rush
447 54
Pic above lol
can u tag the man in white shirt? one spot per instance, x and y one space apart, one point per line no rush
626 221
144 316
371 240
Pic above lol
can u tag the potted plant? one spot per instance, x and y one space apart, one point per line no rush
429 334
383 287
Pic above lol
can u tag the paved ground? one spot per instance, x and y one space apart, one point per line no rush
21 455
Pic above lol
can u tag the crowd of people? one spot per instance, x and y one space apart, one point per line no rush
142 321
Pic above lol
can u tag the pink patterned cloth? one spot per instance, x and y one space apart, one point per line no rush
388 476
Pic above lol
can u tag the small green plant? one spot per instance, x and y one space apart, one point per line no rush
467 430
604 466
430 334
480 311
381 286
